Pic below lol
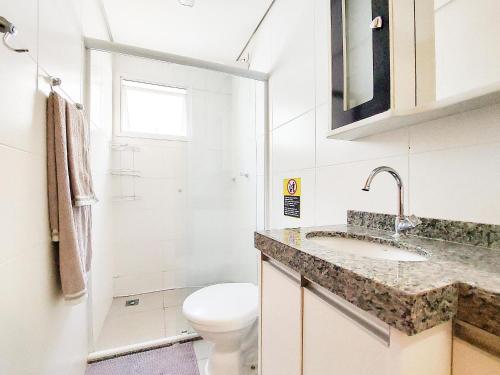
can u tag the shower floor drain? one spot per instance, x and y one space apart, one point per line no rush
131 302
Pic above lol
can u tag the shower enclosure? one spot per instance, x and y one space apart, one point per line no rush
179 152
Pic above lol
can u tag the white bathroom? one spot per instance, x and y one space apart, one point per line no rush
250 187
181 201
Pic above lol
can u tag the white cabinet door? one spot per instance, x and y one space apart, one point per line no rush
341 339
470 360
334 344
281 322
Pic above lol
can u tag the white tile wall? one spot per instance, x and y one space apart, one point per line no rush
125 285
19 130
322 53
41 334
449 165
26 196
294 144
457 184
466 129
466 58
176 234
102 214
292 52
138 256
60 28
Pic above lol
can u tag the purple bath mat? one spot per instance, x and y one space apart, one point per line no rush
172 360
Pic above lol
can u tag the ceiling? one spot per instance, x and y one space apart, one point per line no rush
212 30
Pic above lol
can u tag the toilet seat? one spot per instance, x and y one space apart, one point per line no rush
223 307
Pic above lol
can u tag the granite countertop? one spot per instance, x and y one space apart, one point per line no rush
457 281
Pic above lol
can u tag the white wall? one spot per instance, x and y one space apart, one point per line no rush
100 110
450 166
40 334
467 57
179 233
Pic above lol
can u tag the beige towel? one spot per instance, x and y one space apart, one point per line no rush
70 226
82 191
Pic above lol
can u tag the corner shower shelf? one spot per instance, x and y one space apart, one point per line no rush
126 198
124 147
125 172
390 120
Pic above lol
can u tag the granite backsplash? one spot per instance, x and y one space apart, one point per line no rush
476 234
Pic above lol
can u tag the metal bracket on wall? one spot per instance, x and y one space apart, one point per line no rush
9 30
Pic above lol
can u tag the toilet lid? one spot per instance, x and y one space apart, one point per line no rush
223 307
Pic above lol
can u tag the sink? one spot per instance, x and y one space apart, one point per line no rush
367 249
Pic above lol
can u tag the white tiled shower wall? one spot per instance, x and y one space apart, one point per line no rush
41 334
451 167
100 110
176 234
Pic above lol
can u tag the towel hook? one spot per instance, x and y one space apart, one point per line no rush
9 30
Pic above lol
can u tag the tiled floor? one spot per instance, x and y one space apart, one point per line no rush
157 315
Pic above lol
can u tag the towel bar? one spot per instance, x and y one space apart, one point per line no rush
55 82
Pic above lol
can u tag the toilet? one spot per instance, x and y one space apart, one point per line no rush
225 315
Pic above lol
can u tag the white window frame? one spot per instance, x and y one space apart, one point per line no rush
166 137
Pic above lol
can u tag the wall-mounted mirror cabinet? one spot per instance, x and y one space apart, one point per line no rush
400 62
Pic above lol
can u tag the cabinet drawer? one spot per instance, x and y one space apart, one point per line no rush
339 338
470 360
334 344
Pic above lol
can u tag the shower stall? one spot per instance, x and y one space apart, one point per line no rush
178 154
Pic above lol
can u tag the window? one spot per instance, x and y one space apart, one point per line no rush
152 110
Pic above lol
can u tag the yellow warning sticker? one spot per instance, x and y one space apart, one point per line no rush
292 189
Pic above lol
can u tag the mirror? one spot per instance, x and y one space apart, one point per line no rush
358 53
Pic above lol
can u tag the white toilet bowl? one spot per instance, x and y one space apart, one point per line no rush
225 315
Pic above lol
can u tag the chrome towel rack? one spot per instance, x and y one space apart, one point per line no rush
55 82
9 30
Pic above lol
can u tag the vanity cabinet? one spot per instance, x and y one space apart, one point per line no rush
281 322
469 359
334 344
340 338
306 330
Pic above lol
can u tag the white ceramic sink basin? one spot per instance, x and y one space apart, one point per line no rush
367 249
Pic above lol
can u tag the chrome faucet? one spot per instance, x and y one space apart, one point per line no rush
403 223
